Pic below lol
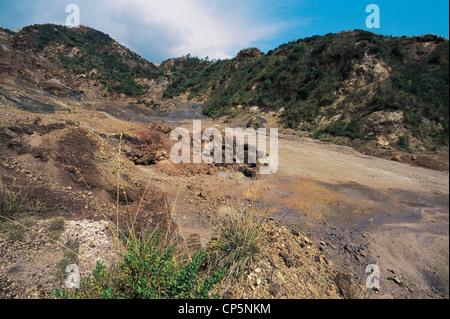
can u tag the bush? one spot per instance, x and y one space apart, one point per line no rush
149 269
236 241
403 142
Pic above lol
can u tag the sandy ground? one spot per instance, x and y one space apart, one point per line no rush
358 209
395 214
362 210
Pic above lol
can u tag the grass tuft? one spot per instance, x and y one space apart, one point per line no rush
10 201
236 240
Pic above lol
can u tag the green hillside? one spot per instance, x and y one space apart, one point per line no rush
85 51
331 83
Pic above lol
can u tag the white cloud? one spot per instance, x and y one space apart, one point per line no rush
195 26
160 29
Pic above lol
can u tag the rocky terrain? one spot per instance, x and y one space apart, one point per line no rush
87 152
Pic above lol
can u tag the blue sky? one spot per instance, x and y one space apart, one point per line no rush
161 29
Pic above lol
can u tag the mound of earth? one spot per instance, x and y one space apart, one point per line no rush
289 266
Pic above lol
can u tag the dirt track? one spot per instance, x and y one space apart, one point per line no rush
332 163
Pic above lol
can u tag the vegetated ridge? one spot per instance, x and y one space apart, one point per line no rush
353 85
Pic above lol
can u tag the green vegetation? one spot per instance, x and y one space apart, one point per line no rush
403 143
89 52
149 269
183 73
71 249
154 265
305 76
311 79
7 31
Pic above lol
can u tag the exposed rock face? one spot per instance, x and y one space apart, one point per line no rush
249 53
256 122
386 126
370 70
377 120
420 49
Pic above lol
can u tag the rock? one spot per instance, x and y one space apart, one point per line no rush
280 112
348 249
345 285
275 289
287 259
249 173
396 280
249 53
254 109
256 122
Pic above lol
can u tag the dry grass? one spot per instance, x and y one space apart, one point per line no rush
10 200
237 236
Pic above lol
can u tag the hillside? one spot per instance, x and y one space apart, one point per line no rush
351 87
88 60
356 85
86 172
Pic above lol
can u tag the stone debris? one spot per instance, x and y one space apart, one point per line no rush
94 243
288 267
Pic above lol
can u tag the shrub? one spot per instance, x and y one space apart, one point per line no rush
403 142
236 241
149 269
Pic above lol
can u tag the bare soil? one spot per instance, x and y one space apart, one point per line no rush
356 209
